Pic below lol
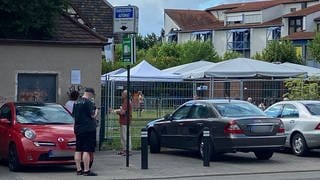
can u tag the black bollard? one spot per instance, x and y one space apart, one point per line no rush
144 148
206 147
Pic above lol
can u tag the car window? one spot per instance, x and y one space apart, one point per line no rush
238 109
5 113
274 111
290 111
313 108
182 113
200 112
48 114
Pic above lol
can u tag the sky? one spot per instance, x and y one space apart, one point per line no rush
151 11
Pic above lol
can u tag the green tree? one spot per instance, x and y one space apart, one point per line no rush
231 55
32 19
280 51
196 50
146 42
301 89
314 47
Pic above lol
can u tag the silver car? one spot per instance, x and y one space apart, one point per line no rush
302 124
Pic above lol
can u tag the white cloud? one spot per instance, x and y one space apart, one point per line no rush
151 11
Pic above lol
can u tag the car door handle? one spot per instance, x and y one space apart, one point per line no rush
200 124
180 124
292 121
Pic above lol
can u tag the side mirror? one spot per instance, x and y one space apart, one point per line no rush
4 121
167 117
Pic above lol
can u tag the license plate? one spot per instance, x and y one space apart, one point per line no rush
260 129
55 153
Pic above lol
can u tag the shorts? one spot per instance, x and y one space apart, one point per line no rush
86 142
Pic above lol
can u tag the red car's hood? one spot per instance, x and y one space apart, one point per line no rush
52 132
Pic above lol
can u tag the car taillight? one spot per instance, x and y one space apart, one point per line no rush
233 128
317 127
281 127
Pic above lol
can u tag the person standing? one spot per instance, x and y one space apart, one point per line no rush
74 95
85 125
123 121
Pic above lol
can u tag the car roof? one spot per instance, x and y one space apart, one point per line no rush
32 104
213 101
300 101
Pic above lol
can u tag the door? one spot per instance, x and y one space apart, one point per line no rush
5 112
190 129
289 116
172 138
37 87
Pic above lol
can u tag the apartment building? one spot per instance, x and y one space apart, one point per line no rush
246 27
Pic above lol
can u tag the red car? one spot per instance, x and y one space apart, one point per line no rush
36 134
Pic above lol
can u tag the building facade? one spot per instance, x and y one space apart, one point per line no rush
247 27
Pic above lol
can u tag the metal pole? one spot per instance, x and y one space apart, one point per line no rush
128 115
144 148
206 147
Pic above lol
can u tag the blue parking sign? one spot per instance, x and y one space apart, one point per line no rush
124 12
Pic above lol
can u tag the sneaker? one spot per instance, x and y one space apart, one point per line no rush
89 173
79 172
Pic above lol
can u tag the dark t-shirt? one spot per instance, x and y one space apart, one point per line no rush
83 110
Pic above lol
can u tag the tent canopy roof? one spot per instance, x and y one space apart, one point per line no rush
146 72
312 71
244 67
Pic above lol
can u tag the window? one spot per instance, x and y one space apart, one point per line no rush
241 40
313 108
274 111
238 109
5 113
295 25
318 27
173 38
182 113
203 36
304 5
293 9
290 111
200 112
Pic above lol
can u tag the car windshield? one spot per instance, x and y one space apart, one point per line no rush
47 114
238 109
313 108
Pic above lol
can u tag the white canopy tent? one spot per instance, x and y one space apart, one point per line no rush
312 71
192 70
106 76
146 72
249 68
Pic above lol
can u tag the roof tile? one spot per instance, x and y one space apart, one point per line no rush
304 12
301 36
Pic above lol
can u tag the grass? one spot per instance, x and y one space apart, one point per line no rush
138 122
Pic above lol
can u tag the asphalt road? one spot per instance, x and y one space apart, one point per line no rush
173 164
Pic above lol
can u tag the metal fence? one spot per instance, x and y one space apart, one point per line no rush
161 98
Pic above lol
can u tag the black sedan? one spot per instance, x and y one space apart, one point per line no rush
234 126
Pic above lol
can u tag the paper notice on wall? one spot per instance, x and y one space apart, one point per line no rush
75 77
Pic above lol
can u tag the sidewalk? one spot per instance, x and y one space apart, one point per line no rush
181 164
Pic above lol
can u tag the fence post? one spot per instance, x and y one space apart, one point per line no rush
144 148
206 147
102 127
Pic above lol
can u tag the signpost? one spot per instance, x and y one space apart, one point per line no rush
125 21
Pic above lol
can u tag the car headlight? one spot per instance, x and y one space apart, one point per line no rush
29 133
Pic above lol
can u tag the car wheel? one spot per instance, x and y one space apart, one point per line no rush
299 145
263 155
13 159
154 142
213 154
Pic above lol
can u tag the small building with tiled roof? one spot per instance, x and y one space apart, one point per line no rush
46 70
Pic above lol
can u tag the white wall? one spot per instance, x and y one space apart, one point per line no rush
287 7
220 42
309 21
169 24
219 14
184 37
271 13
258 38
285 27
